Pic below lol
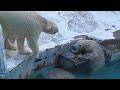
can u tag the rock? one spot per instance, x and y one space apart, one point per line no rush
111 48
54 73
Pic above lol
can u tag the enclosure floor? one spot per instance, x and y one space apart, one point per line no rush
13 59
52 73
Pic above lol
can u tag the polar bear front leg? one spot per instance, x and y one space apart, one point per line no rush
33 44
21 48
8 45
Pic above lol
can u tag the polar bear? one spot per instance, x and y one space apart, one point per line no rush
19 25
89 49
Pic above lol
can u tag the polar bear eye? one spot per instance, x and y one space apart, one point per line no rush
88 45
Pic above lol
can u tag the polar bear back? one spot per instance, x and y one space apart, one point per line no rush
19 23
95 48
96 54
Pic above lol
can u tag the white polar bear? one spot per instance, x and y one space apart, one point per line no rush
89 49
19 25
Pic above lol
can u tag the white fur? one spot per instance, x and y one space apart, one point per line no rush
94 53
25 24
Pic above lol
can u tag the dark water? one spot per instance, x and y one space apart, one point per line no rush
110 71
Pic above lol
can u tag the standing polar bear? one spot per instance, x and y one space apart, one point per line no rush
92 51
19 25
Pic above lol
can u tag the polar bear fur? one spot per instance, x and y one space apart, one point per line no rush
19 25
116 34
93 52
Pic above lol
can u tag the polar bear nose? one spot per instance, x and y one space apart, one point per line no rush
73 48
56 32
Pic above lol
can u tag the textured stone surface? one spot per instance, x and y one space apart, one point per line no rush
54 73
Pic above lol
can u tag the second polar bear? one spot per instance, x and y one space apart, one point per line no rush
92 51
19 25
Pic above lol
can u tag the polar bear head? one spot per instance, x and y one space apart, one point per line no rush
83 46
50 28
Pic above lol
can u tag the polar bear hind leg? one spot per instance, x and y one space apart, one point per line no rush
33 44
21 48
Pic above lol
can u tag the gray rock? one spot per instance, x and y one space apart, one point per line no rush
54 73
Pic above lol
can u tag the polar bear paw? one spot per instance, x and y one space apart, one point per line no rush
36 56
24 51
10 47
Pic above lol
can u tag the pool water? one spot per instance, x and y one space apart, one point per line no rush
110 71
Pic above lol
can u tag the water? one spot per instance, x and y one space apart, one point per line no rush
110 71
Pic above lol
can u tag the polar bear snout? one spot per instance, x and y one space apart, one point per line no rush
52 30
55 30
74 49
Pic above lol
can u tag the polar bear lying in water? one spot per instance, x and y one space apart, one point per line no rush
89 49
19 25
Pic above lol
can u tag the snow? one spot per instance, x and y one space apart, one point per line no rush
98 24
13 59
